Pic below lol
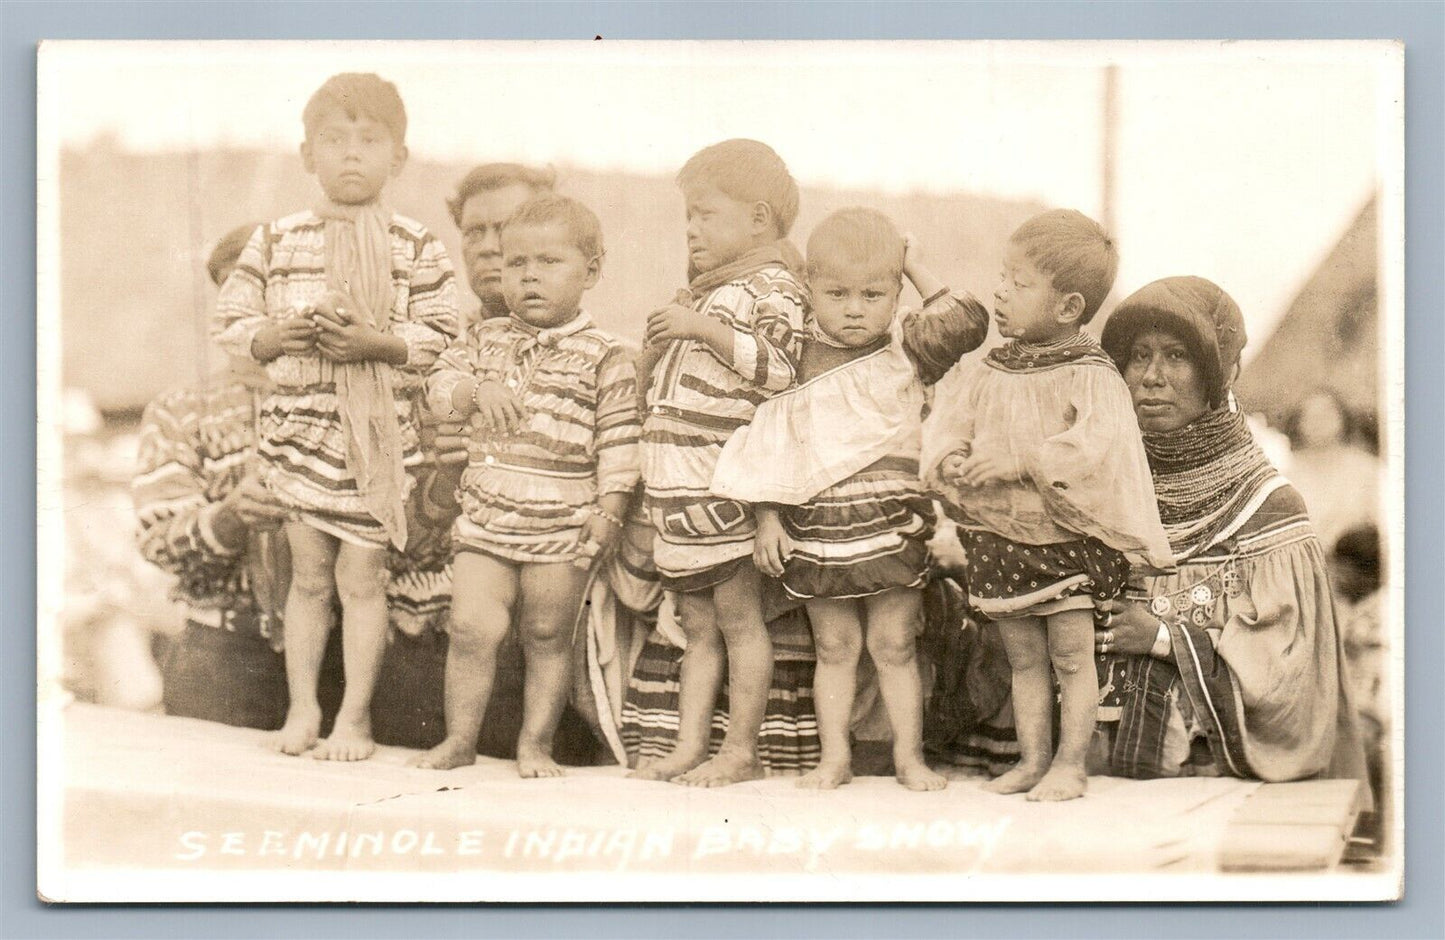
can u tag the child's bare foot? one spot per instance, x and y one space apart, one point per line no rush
826 777
452 752
1064 782
347 741
1022 777
668 767
298 735
537 763
916 775
724 769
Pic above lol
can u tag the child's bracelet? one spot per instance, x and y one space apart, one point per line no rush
936 295
601 513
476 387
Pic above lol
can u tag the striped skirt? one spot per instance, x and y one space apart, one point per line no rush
700 537
862 536
303 455
524 514
789 741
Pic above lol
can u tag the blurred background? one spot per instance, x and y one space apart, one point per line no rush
1258 167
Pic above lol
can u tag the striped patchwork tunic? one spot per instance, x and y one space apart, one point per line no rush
281 269
196 445
695 401
525 496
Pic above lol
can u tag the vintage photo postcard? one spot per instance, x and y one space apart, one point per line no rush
703 471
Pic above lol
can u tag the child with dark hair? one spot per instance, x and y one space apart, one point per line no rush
832 468
728 343
346 305
549 474
1039 460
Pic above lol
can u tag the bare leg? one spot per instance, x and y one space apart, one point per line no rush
893 619
484 591
701 680
361 580
551 602
738 606
1028 656
308 624
1071 650
838 640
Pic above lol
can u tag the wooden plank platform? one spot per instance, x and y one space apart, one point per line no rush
150 801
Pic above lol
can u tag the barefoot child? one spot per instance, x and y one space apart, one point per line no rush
347 306
548 478
716 357
1039 457
832 466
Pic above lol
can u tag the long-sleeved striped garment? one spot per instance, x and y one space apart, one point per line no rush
695 400
283 269
196 445
525 496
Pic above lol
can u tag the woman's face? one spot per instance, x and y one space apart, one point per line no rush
1166 384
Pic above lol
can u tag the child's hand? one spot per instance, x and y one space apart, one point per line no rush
293 336
350 342
498 407
950 470
600 531
771 546
985 468
674 321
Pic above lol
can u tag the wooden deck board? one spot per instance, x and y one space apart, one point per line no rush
146 793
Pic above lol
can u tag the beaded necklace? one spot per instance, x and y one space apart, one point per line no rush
1204 473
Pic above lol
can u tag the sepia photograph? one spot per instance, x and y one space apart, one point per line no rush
683 471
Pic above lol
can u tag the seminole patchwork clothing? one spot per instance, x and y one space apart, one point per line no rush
839 455
195 447
1255 684
697 399
1062 414
525 496
314 428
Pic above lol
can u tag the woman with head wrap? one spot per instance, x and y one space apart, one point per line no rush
1231 663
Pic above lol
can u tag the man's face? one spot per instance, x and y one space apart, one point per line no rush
482 218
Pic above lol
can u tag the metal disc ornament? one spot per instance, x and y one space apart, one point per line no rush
1160 606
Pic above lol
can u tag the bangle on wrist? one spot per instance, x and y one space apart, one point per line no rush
601 513
936 295
476 387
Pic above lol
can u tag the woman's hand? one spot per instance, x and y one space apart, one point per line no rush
771 546
1129 629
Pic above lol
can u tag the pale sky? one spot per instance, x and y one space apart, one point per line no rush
1240 162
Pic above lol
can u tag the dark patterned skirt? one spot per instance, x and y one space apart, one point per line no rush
1014 579
862 536
789 741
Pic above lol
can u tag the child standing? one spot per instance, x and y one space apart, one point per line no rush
832 466
548 478
347 306
717 357
1040 457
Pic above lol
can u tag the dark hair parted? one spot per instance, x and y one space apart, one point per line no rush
748 171
547 208
493 176
1074 251
358 94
